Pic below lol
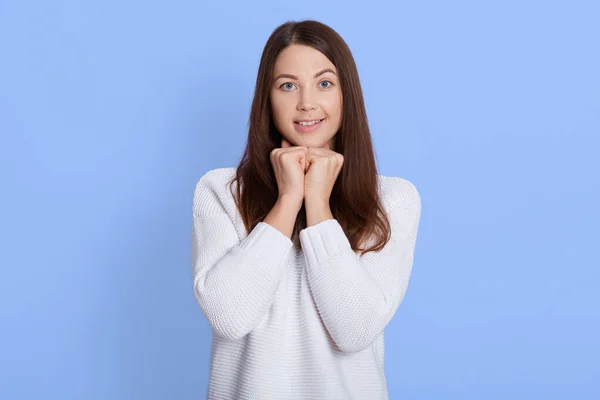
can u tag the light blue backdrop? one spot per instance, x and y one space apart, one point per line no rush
110 112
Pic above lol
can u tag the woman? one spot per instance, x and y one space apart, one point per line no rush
302 254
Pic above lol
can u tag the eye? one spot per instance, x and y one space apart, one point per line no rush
286 83
330 84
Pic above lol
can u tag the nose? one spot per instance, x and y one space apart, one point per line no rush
306 101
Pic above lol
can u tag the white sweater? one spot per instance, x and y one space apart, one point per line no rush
297 324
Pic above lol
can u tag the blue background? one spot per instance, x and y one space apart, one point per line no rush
110 112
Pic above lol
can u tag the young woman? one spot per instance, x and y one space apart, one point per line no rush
302 253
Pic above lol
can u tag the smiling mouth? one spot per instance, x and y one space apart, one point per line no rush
309 123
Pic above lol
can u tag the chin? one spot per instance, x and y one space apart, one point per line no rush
309 140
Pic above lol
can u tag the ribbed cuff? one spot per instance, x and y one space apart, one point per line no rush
322 241
267 244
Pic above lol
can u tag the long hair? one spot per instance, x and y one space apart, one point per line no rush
355 198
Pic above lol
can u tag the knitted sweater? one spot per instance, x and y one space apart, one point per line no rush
297 324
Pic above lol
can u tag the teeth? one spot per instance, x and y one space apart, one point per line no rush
308 123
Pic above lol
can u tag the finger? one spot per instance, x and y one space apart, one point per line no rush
308 160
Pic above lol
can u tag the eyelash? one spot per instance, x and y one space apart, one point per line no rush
285 83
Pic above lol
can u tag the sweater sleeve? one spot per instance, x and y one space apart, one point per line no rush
357 296
235 281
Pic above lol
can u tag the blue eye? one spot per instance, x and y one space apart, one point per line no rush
327 82
287 83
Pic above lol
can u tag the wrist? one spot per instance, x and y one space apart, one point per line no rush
316 203
287 201
317 211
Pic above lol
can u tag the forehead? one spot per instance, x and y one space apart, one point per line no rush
298 59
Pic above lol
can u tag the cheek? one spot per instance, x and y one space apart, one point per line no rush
334 108
280 108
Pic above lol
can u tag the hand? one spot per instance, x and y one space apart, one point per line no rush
289 164
323 168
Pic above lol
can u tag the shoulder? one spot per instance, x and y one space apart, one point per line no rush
212 192
400 193
216 176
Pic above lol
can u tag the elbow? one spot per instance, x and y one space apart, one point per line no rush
222 316
366 329
222 322
227 330
354 344
364 332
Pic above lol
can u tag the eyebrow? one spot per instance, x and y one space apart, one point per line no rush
295 77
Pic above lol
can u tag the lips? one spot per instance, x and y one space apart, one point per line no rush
308 128
309 120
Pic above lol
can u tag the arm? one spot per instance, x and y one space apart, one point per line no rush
357 297
235 281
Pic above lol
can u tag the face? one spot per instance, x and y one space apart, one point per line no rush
305 89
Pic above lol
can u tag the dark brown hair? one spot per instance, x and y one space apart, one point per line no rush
355 199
